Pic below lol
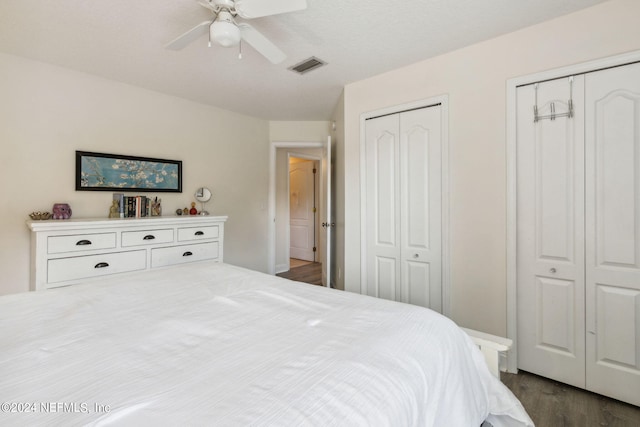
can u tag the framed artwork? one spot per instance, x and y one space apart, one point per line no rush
109 172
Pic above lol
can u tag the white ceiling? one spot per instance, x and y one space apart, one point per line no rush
124 40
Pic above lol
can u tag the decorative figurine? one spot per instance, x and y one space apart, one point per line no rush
61 211
156 207
39 215
114 211
178 211
185 211
193 210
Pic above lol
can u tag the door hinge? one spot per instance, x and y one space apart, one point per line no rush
314 210
314 249
314 170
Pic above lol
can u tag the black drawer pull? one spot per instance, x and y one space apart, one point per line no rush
83 242
149 237
199 233
101 265
188 253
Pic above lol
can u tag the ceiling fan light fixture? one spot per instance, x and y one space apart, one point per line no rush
224 31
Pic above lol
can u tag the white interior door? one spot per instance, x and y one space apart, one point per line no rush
302 210
550 233
403 206
420 208
613 232
327 220
383 206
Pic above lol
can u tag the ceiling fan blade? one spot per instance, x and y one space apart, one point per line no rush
257 8
186 38
261 44
207 4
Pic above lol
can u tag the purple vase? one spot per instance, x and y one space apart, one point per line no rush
61 211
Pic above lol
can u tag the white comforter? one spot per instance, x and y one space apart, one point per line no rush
213 344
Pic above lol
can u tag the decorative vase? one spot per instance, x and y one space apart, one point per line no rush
61 211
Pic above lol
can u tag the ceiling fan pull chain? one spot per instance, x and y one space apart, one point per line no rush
240 49
210 33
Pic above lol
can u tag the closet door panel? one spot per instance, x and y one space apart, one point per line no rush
550 236
612 146
383 207
554 192
420 224
617 337
417 284
555 301
616 186
385 278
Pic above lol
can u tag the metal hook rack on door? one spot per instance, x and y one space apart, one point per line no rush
552 106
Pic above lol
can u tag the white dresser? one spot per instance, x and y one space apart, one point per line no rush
64 252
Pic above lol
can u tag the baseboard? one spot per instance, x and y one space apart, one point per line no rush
281 268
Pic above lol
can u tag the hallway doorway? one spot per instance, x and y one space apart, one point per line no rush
279 245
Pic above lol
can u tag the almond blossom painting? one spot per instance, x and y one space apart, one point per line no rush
98 171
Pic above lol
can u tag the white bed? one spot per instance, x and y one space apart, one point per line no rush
213 344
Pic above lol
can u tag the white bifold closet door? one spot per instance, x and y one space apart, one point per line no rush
550 236
578 232
612 161
403 207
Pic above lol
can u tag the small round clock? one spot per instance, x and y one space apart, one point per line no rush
203 195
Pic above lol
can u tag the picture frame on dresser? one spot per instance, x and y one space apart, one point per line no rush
115 172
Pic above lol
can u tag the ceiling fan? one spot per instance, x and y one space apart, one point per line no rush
225 31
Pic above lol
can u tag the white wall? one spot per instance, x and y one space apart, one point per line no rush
47 113
299 131
475 80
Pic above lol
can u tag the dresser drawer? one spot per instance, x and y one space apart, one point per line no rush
198 233
147 237
81 267
80 242
161 257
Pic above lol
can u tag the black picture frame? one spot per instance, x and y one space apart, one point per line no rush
115 172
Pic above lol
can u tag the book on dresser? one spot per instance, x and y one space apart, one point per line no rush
66 252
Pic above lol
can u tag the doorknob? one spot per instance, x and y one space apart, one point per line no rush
552 270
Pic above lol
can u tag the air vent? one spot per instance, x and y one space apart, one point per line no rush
307 65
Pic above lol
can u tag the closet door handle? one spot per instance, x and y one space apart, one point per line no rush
83 242
199 233
552 270
149 237
101 265
188 253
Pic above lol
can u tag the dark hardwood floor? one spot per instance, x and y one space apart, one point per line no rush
553 404
310 273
